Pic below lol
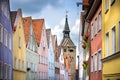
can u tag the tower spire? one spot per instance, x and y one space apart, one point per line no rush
66 30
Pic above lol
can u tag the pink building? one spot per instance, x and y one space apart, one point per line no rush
40 34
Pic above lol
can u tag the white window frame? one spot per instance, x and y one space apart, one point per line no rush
92 31
5 37
1 72
106 5
107 44
5 71
1 33
10 41
19 64
9 70
114 39
96 26
99 21
99 59
22 65
95 61
119 33
15 62
91 63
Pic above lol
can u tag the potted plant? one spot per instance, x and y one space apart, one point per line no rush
85 64
84 45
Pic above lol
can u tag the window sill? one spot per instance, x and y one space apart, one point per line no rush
111 57
106 11
112 2
99 30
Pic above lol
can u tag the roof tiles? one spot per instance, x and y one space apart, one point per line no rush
26 24
37 28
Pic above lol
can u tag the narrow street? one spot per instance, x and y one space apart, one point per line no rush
59 40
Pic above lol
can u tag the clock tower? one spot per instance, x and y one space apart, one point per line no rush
69 52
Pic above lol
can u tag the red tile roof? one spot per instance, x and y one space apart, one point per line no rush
37 28
26 24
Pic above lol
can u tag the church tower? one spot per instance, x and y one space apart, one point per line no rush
69 52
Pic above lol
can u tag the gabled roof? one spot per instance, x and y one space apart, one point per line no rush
26 24
48 34
14 15
37 28
67 42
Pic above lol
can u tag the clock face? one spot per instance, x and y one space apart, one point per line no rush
4 8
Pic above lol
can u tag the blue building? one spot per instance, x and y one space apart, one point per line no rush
5 41
51 61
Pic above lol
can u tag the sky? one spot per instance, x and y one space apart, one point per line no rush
53 11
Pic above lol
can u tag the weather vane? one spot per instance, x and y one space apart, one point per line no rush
66 13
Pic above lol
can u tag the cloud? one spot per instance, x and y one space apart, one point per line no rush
58 29
75 28
34 6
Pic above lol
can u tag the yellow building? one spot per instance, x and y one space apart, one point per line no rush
111 39
19 46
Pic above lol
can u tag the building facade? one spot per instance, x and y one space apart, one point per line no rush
69 52
51 61
96 45
56 57
91 20
32 57
5 41
39 25
111 39
19 47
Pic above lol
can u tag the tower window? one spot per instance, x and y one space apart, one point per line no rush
71 50
64 50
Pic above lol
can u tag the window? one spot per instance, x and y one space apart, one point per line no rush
5 71
95 27
71 50
106 5
1 70
99 21
107 44
1 34
95 62
99 60
19 42
22 65
9 73
10 42
92 31
15 61
4 8
113 40
64 50
119 35
91 63
5 37
19 64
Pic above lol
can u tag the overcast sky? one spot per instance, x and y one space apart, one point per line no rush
53 11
